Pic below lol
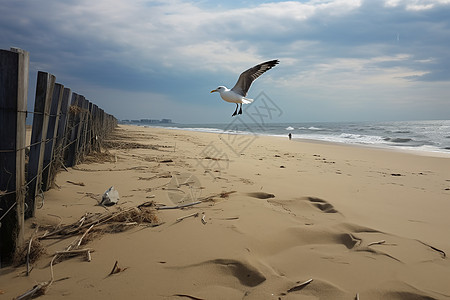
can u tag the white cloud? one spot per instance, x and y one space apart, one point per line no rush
416 5
330 48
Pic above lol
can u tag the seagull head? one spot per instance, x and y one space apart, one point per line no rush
220 89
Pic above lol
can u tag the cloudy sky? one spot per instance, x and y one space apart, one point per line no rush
340 60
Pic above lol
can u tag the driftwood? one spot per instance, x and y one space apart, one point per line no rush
203 219
204 199
40 288
28 256
166 175
229 218
76 183
29 250
37 290
376 243
184 217
434 248
76 251
188 296
116 269
84 234
179 206
299 286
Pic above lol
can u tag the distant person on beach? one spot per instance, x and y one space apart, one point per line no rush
290 136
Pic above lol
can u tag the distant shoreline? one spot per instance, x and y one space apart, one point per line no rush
401 139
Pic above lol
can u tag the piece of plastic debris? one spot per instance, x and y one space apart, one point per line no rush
110 197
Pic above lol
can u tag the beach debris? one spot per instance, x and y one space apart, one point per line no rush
87 224
179 206
37 290
229 218
376 243
203 219
109 221
188 296
185 217
146 204
75 252
164 175
357 296
29 250
110 197
396 174
299 286
28 257
40 288
76 183
116 269
166 161
29 253
84 235
222 195
434 248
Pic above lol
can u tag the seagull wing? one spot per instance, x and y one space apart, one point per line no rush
247 77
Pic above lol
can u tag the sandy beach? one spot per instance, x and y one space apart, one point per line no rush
362 223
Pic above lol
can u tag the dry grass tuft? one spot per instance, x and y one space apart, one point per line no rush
138 215
36 251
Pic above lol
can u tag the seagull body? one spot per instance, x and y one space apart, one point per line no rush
239 92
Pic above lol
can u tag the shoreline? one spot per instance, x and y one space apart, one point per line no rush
273 213
402 149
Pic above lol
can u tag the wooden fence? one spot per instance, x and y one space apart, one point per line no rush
66 127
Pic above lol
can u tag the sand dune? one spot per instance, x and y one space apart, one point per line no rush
357 221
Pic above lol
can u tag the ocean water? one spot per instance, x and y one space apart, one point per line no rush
423 136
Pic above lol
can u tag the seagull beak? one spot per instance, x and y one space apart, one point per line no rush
213 91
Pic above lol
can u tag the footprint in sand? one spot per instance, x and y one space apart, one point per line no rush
261 195
247 274
322 205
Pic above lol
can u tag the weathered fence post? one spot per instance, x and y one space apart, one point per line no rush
51 135
90 128
75 124
44 93
81 152
68 142
61 139
13 105
96 127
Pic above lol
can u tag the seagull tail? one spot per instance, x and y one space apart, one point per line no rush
247 100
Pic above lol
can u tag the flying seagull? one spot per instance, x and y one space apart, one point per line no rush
239 92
